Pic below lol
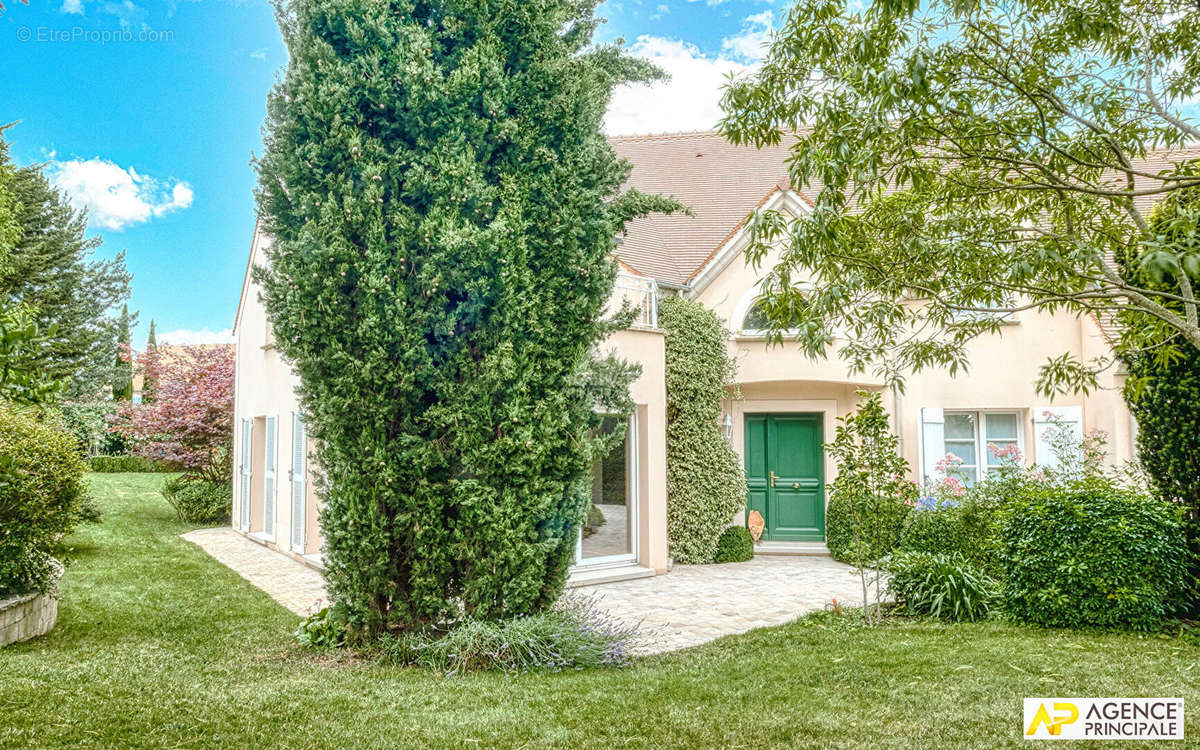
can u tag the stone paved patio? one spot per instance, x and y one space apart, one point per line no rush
293 584
690 605
694 604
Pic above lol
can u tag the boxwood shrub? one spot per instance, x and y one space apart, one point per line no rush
198 500
1093 555
42 497
735 545
935 531
883 519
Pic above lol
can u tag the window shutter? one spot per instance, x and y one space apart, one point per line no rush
299 480
244 495
933 440
1070 415
269 464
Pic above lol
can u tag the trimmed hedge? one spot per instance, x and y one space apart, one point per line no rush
705 482
735 545
42 497
1093 555
935 531
198 500
127 464
884 522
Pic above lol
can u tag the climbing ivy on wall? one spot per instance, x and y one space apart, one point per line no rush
705 482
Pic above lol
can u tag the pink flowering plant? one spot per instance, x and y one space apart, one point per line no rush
190 421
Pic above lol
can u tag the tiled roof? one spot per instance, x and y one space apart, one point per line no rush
722 184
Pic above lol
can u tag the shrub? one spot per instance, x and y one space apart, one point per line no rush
322 629
1162 388
42 497
943 585
199 500
123 464
735 545
575 634
88 422
934 530
884 515
705 481
1093 555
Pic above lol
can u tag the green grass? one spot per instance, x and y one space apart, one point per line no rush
158 645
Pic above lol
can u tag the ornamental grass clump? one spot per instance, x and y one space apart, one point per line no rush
575 634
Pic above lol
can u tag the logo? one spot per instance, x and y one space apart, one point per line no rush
1103 719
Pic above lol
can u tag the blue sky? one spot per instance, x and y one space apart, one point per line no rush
148 113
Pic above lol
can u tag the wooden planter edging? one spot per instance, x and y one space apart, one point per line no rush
26 616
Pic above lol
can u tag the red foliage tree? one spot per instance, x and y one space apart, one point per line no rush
190 421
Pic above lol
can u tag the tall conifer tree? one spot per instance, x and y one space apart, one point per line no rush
122 384
443 205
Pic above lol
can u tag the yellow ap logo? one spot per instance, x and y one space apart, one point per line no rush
1066 713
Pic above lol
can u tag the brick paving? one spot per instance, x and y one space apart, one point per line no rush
690 605
694 604
293 584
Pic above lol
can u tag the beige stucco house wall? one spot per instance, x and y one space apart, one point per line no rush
780 394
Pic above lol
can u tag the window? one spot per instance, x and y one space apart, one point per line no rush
971 435
758 321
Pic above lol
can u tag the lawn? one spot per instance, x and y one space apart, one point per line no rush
160 646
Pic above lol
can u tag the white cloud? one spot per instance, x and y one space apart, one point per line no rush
116 197
690 100
660 10
74 7
259 54
185 337
749 45
127 14
709 3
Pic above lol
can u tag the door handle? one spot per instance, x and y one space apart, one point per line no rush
773 478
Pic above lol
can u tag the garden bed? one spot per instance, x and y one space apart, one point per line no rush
26 616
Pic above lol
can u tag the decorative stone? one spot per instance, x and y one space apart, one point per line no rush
26 616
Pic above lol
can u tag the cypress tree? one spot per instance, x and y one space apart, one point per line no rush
122 384
443 206
149 386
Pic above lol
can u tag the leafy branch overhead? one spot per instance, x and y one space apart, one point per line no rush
970 161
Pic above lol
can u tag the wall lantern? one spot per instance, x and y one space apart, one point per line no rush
727 426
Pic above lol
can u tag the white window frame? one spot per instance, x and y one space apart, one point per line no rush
982 468
633 483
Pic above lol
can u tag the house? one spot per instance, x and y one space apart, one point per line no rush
784 408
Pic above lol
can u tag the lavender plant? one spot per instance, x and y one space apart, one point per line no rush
575 634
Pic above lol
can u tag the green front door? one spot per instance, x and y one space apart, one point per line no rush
785 475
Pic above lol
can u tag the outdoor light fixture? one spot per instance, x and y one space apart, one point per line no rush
727 426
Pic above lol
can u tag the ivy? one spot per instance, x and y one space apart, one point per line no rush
705 481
